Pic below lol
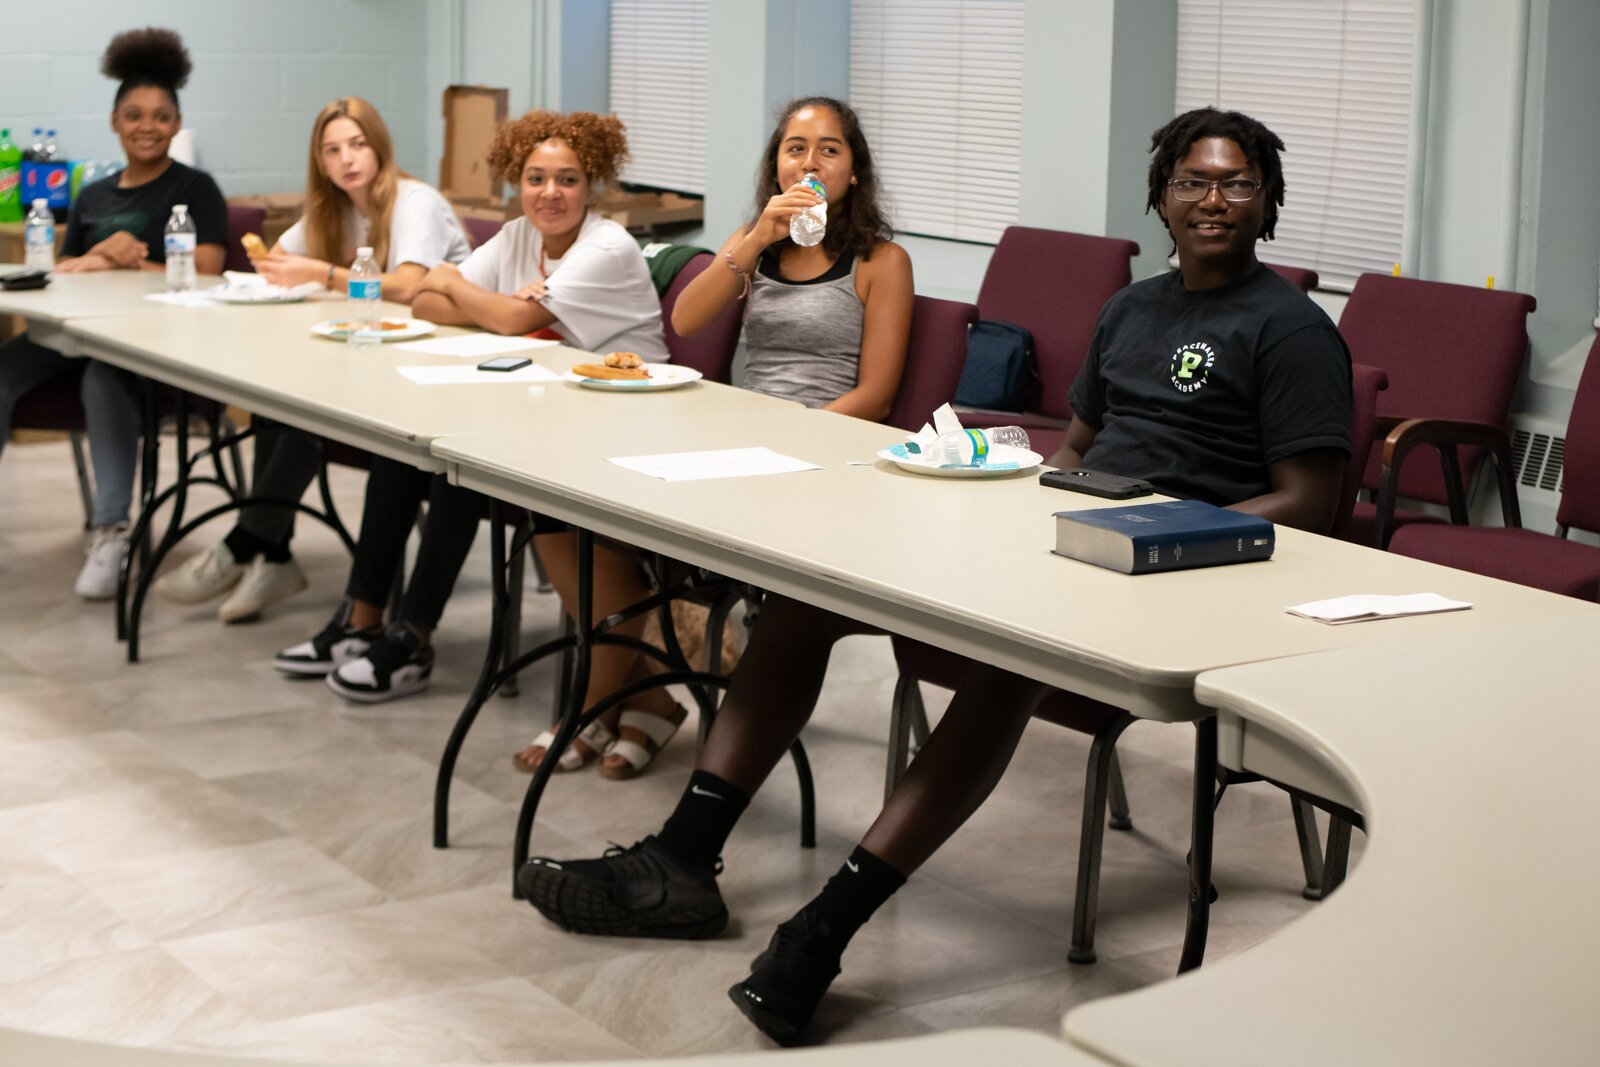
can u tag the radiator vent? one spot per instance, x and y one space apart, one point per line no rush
1537 459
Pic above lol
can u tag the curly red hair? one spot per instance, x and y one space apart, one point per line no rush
599 141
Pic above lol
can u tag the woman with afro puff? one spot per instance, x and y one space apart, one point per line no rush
560 268
117 223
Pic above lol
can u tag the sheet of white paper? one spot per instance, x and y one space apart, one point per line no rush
1365 607
194 299
457 375
721 463
472 345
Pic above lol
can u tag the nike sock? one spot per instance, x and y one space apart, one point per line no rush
859 888
706 813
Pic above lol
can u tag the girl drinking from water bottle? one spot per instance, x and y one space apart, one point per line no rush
355 195
117 223
824 325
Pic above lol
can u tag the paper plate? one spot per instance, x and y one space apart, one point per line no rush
267 294
404 331
662 376
1004 461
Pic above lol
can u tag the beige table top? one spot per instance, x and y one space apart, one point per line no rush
956 1048
265 359
1467 934
81 296
965 564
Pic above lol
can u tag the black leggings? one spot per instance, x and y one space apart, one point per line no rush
394 492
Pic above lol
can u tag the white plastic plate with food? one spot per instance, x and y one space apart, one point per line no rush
390 329
661 376
1003 460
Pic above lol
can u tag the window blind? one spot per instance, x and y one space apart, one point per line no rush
658 90
938 86
1333 79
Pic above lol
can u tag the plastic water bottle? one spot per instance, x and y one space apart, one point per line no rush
39 237
51 153
975 448
807 227
366 293
178 249
35 152
10 179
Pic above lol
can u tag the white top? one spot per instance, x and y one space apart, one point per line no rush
423 229
600 292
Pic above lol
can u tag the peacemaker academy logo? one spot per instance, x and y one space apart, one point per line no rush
1191 366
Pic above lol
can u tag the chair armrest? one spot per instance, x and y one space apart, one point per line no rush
1445 436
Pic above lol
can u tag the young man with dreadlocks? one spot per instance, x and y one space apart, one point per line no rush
1217 381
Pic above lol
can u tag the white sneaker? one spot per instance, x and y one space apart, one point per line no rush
98 579
263 584
211 573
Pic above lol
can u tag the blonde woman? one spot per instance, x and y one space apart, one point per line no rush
355 195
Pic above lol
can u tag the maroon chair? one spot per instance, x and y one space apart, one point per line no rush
1528 557
1453 354
935 352
242 219
710 351
1303 277
1365 385
480 230
919 662
1051 283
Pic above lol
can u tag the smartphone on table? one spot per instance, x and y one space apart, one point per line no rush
1096 483
505 363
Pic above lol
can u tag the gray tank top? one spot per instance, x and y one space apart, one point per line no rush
803 339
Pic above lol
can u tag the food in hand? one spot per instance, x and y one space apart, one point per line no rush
254 246
618 366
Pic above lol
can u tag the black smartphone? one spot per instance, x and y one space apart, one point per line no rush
26 279
505 363
1096 483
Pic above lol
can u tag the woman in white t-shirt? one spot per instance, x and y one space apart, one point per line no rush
559 268
355 195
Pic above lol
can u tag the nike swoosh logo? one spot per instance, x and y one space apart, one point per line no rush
853 868
697 791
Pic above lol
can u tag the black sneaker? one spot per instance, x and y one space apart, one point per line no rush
396 665
642 891
787 981
336 645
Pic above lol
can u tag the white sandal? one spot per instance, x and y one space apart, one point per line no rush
597 736
658 732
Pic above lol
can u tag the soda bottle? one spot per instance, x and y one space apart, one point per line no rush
366 293
10 179
178 245
975 448
39 237
807 227
35 151
51 152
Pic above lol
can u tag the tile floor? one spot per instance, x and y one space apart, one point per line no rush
196 852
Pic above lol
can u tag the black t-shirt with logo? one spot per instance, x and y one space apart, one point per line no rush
1197 392
102 209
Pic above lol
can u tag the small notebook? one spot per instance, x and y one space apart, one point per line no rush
1366 607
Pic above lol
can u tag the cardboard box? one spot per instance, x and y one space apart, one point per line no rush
471 113
643 212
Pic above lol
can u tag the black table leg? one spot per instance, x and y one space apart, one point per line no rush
1200 840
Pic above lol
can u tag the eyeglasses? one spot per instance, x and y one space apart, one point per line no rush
1234 190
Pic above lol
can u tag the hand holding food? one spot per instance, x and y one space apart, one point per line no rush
254 246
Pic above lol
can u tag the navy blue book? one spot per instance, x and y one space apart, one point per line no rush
1170 536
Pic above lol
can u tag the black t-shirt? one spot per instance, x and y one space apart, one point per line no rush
102 209
1197 392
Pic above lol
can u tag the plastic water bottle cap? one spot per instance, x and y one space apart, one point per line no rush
181 207
364 250
41 204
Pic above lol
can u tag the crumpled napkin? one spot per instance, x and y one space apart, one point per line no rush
239 282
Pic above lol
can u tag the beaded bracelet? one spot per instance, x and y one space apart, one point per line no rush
743 274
